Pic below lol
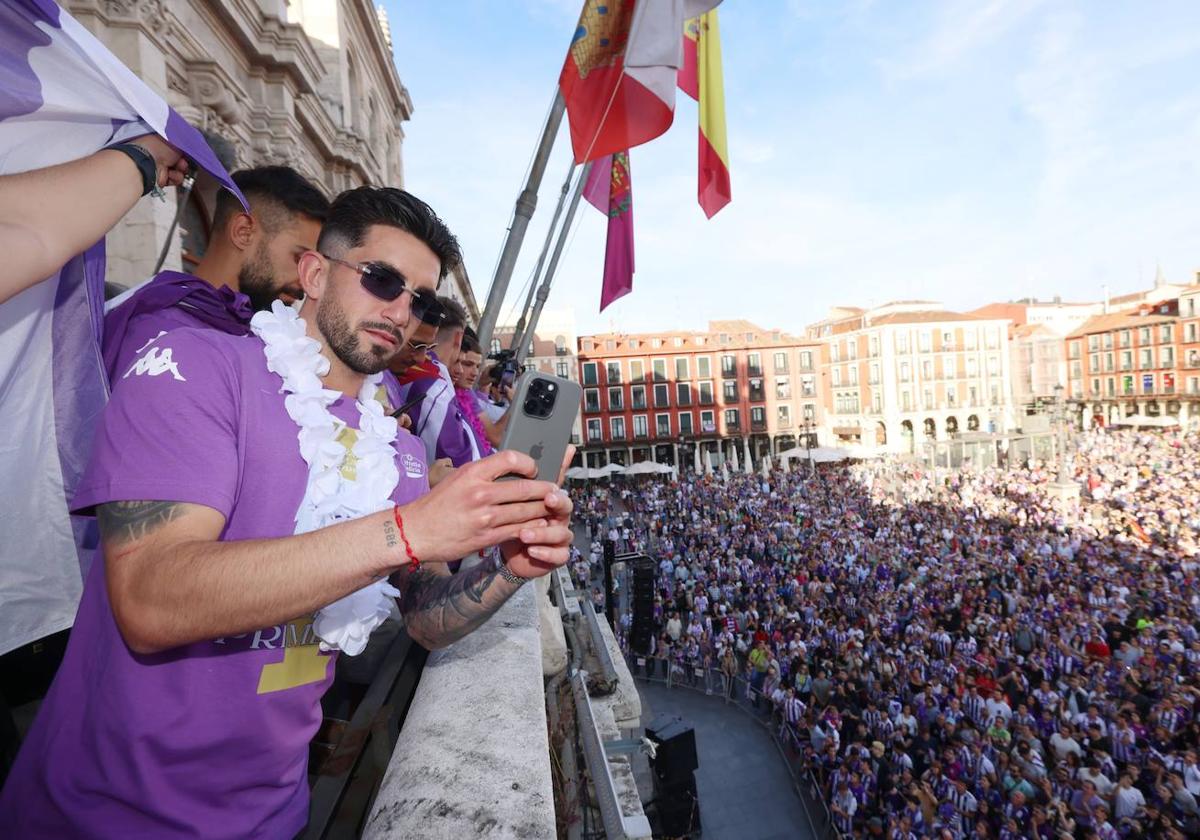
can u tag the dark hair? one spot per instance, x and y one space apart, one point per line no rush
276 195
454 319
470 341
356 210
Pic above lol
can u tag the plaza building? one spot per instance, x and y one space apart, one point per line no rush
735 393
311 84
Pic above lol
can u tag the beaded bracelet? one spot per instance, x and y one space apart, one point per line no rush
413 562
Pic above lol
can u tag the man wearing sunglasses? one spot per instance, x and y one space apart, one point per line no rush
192 681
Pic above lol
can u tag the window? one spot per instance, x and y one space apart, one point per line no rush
560 344
783 388
969 339
810 412
616 400
951 397
877 402
927 399
685 423
634 344
681 368
852 349
783 415
906 400
927 369
641 429
731 420
835 352
683 393
706 393
806 360
1093 343
660 370
593 427
1164 333
972 395
853 374
972 367
874 346
730 393
1111 386
1166 357
757 394
758 417
590 376
662 396
781 363
662 425
637 394
703 367
947 339
873 376
902 342
708 421
837 377
1126 360
609 344
1146 358
1126 336
616 426
1094 362
677 341
1096 387
924 341
993 365
905 372
1076 353
808 386
993 338
1108 362
495 347
754 364
950 367
729 366
1144 335
637 370
1107 341
562 370
656 343
591 399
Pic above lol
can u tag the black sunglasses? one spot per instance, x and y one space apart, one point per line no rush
387 284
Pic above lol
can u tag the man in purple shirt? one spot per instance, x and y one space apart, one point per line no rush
437 419
191 684
250 261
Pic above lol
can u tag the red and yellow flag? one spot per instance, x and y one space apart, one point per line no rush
701 78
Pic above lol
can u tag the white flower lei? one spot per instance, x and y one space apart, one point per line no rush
329 496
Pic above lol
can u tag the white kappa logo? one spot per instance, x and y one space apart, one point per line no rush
157 360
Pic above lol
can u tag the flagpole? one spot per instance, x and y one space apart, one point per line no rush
537 270
543 291
522 213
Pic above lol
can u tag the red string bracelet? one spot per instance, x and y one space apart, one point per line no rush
413 562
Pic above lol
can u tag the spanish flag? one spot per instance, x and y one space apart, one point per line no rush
700 77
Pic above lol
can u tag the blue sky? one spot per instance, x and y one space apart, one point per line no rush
958 151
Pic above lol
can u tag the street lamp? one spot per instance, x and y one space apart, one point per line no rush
1061 434
808 427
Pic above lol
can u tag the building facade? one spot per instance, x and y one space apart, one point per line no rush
307 83
733 393
906 373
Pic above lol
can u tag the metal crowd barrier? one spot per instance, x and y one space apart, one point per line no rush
737 691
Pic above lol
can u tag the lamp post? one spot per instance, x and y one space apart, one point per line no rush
808 427
1061 434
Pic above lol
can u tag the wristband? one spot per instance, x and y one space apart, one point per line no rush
145 163
413 562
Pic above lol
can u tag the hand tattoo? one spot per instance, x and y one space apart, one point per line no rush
440 609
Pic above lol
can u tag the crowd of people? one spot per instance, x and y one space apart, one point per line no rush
953 655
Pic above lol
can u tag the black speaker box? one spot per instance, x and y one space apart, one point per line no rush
675 757
679 809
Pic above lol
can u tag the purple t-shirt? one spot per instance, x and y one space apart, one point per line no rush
210 739
437 419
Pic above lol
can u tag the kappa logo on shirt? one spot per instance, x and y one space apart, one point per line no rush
413 468
157 360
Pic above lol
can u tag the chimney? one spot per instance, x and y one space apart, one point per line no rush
1105 288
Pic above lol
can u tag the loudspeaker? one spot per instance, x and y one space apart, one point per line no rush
675 757
679 809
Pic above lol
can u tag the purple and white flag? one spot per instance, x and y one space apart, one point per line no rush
63 96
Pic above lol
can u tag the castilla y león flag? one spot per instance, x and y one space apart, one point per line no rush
619 76
610 190
700 77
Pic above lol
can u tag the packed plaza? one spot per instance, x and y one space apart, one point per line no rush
951 654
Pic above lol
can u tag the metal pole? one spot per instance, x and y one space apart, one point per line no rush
537 269
543 291
1062 437
522 213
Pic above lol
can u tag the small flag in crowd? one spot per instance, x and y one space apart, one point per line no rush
619 76
701 78
63 96
610 190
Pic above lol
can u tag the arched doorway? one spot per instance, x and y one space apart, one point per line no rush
906 432
951 425
973 423
880 434
930 428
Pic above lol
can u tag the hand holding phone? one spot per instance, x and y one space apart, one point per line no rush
545 407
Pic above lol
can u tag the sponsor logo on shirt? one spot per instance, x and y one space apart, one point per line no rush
413 468
156 361
303 661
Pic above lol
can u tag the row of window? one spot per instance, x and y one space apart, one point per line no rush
701 392
614 370
1131 384
1146 359
1165 334
847 350
683 424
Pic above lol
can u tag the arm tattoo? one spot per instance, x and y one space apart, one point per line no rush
122 522
441 609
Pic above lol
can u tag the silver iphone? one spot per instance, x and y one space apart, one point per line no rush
545 409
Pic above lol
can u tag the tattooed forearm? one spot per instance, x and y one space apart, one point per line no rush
122 522
439 610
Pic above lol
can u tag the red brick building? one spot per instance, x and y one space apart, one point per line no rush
733 391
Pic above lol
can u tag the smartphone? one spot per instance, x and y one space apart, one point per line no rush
508 375
545 409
